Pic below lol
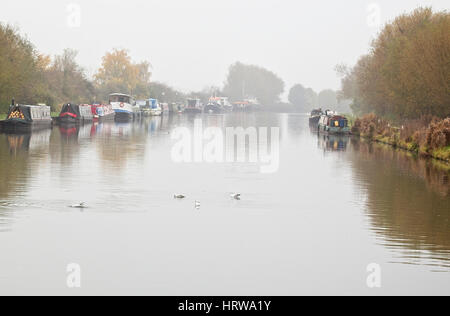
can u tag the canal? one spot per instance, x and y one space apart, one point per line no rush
315 211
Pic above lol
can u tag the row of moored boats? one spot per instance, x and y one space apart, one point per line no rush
121 107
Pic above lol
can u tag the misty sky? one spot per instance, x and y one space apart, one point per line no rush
191 43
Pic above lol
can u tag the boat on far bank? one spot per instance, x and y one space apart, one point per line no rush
150 107
315 116
194 106
24 118
218 105
247 105
124 106
332 123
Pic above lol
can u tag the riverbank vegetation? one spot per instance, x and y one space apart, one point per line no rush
401 87
429 136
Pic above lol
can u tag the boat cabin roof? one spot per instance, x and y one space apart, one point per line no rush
31 106
119 95
337 117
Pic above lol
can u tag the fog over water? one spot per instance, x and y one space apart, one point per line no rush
192 43
335 205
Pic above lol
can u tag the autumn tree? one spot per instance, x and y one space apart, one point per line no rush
66 80
119 73
407 71
20 69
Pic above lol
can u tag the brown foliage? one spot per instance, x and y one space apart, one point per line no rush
427 132
407 72
370 125
438 134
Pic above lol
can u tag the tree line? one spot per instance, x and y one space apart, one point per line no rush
306 99
31 77
406 74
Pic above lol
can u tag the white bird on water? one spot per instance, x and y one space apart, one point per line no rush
236 196
197 205
80 205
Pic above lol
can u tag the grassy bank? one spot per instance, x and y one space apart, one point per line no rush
2 117
427 136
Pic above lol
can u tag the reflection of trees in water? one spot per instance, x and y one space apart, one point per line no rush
15 150
15 168
408 202
434 173
118 142
14 163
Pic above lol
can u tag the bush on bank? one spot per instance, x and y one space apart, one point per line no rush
427 136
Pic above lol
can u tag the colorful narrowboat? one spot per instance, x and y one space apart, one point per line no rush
124 106
26 117
75 114
150 107
332 123
102 112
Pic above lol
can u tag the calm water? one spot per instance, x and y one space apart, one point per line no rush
334 206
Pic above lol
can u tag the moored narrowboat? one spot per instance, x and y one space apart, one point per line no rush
150 107
26 118
218 105
124 106
194 106
332 123
102 112
315 116
75 114
247 105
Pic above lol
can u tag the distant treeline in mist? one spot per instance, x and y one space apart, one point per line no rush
406 74
32 77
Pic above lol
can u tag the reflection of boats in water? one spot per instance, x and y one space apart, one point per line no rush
331 123
69 132
26 118
333 142
154 124
29 141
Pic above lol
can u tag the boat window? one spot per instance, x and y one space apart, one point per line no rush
120 98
